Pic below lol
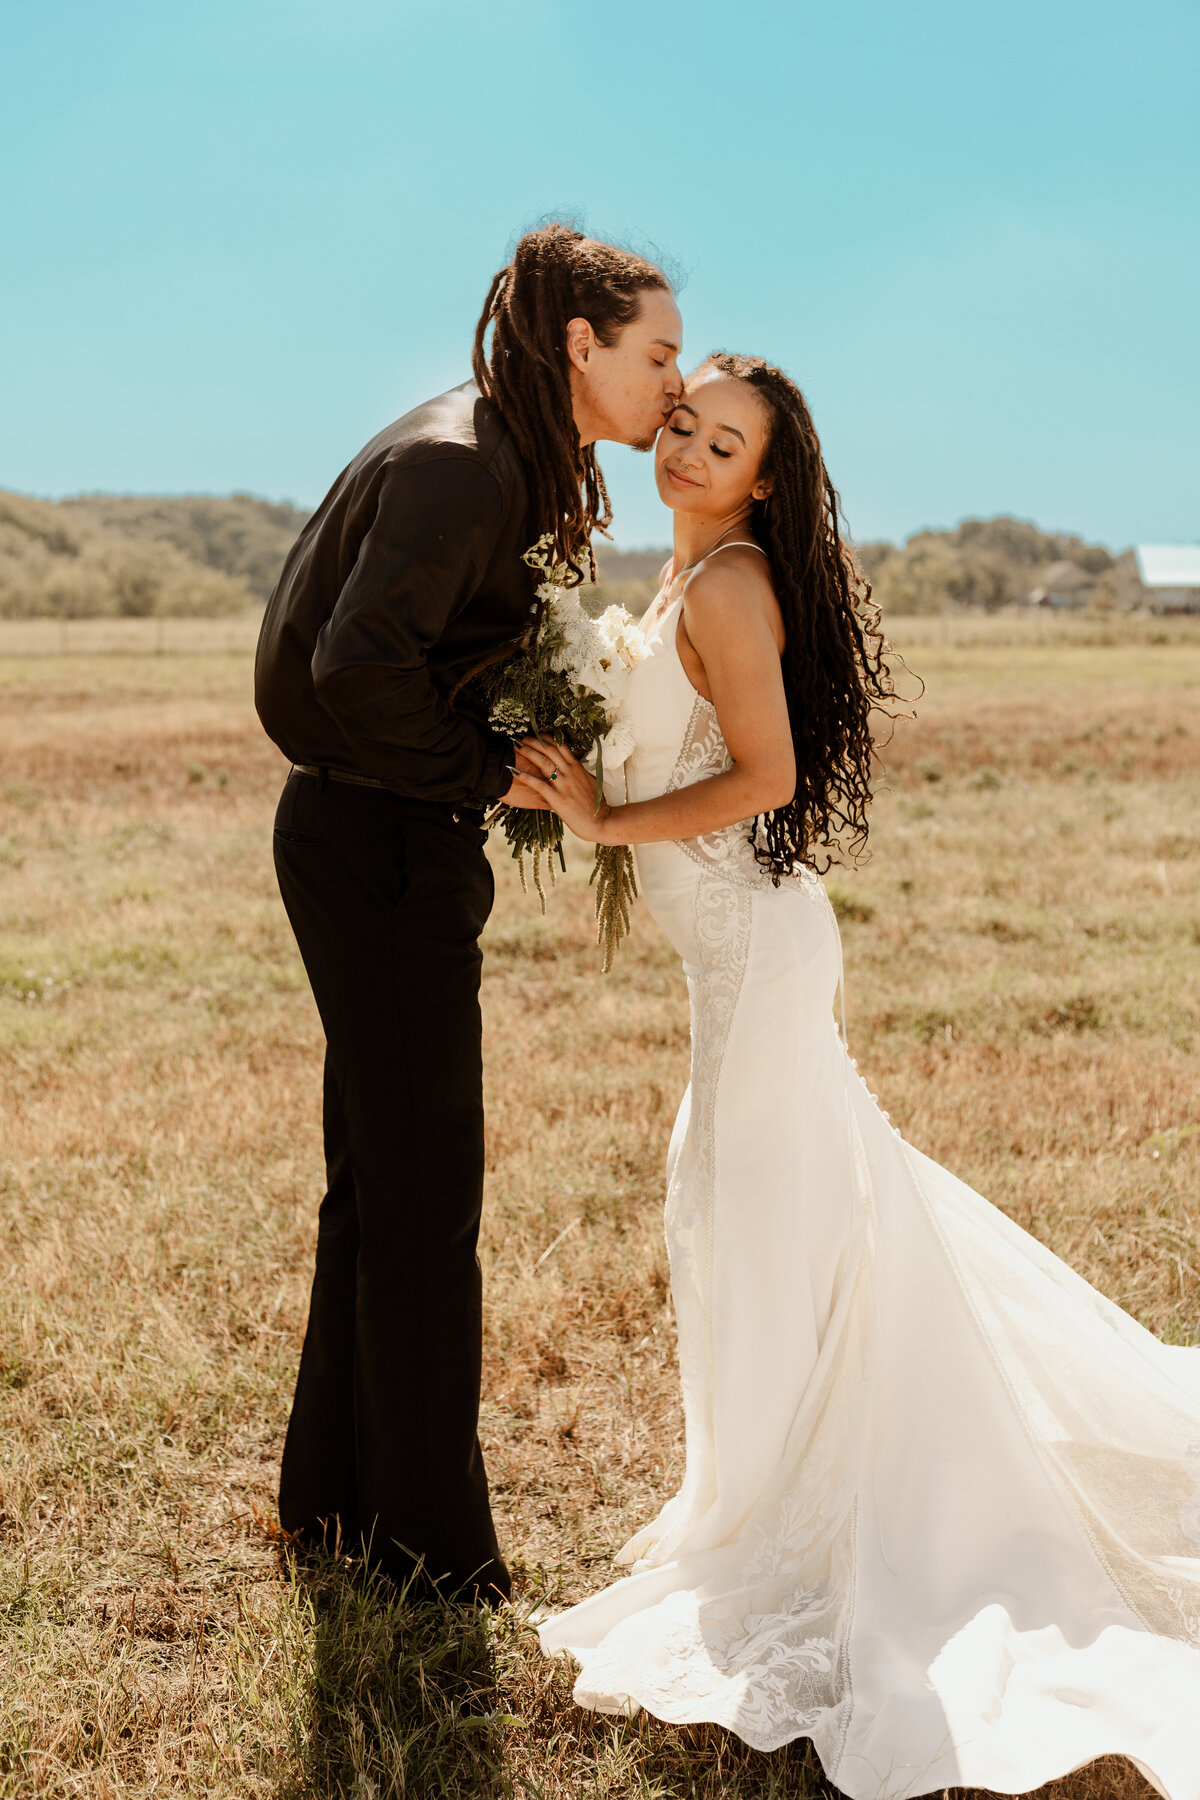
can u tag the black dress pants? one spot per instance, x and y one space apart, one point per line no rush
387 898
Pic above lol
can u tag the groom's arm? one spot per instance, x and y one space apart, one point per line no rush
424 556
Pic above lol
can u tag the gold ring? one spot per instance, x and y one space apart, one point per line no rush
554 774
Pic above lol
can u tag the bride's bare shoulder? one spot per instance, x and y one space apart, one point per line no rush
736 570
729 589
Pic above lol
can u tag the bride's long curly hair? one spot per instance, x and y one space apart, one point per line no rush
835 672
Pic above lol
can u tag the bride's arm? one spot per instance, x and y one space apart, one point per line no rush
732 620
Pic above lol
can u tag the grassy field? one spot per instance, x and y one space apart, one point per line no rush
1023 993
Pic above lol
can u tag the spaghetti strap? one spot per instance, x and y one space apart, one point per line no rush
735 544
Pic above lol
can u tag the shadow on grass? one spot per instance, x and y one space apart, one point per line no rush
406 1698
419 1698
401 1697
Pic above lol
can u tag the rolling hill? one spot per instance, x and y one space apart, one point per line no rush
100 555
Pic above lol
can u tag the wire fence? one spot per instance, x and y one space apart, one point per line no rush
1010 627
129 637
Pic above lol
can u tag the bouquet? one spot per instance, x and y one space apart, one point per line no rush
567 683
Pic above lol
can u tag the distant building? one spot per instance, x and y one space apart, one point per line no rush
1063 584
1170 576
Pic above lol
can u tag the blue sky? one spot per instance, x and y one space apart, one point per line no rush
242 236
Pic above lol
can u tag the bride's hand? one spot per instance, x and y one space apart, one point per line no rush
566 787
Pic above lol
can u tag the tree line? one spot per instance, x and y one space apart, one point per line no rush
982 563
990 563
104 556
198 555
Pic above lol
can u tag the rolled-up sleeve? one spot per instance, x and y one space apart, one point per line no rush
425 554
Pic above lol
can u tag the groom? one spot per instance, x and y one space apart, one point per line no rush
405 582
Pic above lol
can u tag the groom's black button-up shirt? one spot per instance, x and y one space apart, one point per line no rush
407 576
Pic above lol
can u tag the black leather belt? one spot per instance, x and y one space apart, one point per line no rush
338 775
474 815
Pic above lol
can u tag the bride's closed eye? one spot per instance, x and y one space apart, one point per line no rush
681 431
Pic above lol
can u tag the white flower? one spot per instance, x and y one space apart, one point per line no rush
598 654
619 744
621 636
584 655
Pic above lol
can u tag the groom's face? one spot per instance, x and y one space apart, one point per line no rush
628 388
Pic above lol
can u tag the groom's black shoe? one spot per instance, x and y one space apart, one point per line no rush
417 1578
401 1576
417 1588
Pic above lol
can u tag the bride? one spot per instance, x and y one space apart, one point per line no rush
941 1511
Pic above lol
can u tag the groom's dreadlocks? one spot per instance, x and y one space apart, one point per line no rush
556 275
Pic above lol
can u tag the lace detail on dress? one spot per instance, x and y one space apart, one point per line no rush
702 754
770 1659
722 919
770 1667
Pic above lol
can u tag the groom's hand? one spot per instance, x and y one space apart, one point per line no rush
520 793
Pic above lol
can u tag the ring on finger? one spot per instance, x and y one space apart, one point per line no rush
554 774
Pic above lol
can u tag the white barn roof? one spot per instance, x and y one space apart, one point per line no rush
1169 565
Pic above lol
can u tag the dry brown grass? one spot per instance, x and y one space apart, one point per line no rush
1023 988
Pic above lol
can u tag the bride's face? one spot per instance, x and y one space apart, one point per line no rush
711 448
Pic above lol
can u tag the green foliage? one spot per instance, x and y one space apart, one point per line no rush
989 563
982 565
105 556
532 695
628 578
615 881
237 535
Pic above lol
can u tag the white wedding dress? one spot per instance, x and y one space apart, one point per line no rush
941 1511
